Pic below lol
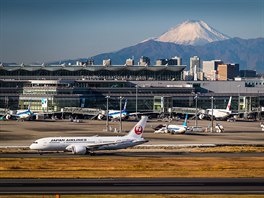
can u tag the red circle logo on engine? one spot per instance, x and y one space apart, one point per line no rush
138 130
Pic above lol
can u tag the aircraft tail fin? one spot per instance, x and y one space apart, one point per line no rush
137 130
185 120
124 109
229 104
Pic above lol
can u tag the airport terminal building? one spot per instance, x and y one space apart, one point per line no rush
94 72
147 88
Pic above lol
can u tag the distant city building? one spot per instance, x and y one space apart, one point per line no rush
129 62
90 62
194 61
247 73
160 62
84 63
107 62
210 69
200 75
78 63
173 61
179 60
187 76
227 71
144 61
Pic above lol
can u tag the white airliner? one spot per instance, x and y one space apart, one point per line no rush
173 128
25 114
115 114
84 145
219 113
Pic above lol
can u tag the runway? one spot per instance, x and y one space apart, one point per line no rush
134 186
106 154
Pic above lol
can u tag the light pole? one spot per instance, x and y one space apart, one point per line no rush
212 117
120 126
196 98
136 101
259 110
238 100
6 102
107 112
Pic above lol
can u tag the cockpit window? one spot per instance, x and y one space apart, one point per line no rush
35 142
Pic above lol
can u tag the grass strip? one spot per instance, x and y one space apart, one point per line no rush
111 167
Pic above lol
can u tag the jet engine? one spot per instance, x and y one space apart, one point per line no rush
8 116
101 116
75 149
201 116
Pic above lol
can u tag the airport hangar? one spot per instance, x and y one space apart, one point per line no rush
147 88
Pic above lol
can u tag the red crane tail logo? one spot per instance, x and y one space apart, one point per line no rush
138 130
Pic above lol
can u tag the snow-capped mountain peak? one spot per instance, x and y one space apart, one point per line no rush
192 32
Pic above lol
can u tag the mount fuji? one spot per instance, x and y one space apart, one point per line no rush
192 33
192 38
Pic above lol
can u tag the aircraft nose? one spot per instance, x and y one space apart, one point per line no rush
32 147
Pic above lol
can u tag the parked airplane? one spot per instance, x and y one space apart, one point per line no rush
24 114
83 145
218 113
19 114
115 114
174 129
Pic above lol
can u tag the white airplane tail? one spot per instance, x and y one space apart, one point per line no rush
138 129
28 107
124 109
229 104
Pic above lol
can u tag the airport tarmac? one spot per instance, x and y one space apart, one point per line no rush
14 133
126 154
133 186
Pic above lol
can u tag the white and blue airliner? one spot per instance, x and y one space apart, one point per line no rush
115 114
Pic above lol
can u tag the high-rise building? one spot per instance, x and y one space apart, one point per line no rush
228 71
107 62
210 69
78 63
179 60
130 62
160 62
194 61
172 61
85 63
144 61
90 61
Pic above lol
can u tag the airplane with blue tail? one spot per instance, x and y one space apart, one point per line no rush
115 114
24 114
173 128
20 115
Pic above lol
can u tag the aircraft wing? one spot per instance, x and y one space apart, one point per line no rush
143 114
91 146
97 145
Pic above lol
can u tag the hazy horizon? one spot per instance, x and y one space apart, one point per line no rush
50 30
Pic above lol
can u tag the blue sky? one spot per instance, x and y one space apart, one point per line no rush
48 30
